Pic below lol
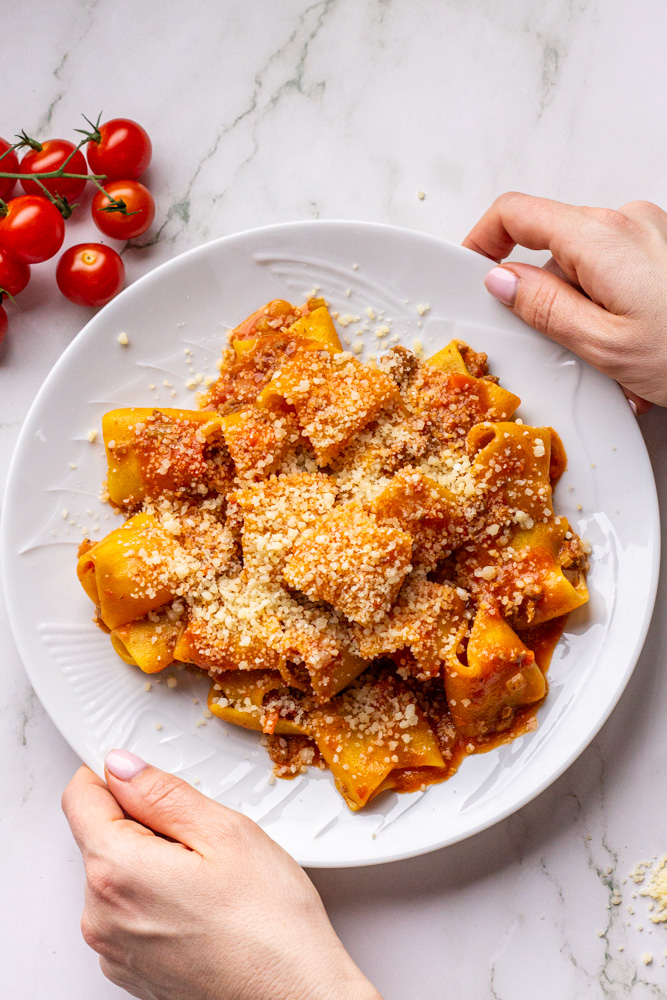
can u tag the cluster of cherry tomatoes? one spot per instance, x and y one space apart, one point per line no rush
53 174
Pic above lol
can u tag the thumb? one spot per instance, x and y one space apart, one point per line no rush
552 306
165 803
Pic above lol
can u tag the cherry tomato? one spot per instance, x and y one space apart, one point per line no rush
4 324
8 164
32 230
14 275
119 226
123 152
51 156
90 274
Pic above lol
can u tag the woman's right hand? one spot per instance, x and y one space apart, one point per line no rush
604 293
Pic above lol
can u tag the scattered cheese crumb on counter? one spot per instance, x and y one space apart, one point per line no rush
123 339
656 887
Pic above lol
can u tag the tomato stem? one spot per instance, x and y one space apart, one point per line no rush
95 135
44 189
10 149
25 140
59 200
47 175
3 291
83 142
4 208
115 204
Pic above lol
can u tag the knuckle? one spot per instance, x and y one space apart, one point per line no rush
66 800
642 209
609 218
541 310
72 793
90 931
105 881
169 793
508 198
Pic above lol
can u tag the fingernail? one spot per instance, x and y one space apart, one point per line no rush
502 284
124 764
633 406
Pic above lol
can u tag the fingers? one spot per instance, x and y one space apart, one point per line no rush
89 806
537 223
553 307
555 268
168 805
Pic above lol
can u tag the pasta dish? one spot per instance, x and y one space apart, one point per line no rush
363 557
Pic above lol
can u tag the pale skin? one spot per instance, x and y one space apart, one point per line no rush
189 900
603 294
217 912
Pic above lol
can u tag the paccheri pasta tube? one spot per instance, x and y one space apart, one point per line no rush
364 558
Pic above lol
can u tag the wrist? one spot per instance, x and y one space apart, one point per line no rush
332 981
347 984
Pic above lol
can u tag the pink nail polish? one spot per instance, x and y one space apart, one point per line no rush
502 284
124 764
633 406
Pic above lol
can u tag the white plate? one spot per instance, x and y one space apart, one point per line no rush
98 702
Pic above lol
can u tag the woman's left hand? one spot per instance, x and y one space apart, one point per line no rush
215 912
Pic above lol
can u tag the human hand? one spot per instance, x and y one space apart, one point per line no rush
604 293
217 912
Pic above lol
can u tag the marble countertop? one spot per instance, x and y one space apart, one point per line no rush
267 112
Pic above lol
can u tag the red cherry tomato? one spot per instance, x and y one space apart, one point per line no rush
32 230
4 324
90 274
52 155
14 275
137 199
8 164
123 152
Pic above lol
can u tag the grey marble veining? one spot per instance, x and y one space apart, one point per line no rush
267 112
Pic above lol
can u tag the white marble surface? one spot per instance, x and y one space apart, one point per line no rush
262 112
